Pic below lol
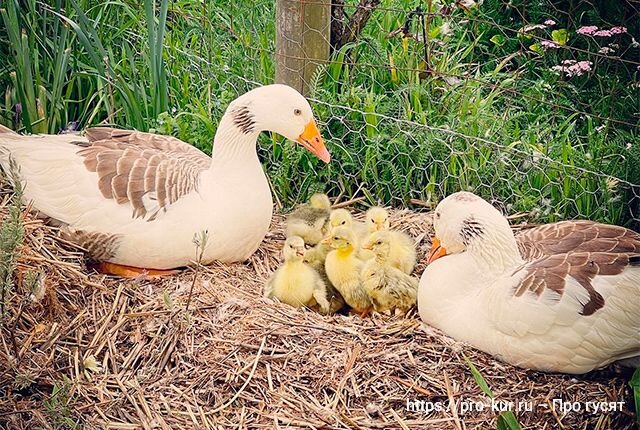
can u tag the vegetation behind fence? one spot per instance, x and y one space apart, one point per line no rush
533 104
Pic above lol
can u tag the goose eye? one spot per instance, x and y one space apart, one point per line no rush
297 112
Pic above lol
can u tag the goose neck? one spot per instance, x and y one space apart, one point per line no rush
232 145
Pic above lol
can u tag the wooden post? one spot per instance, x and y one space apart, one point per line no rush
303 29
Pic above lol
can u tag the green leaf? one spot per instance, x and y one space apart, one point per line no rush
635 384
478 378
508 421
560 36
536 48
497 39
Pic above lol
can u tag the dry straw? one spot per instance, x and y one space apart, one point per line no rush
124 354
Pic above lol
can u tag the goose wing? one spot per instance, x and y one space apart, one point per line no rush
105 178
147 171
572 236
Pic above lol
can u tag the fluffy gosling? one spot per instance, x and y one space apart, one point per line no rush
388 287
295 282
402 252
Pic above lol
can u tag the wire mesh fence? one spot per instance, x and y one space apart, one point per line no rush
534 105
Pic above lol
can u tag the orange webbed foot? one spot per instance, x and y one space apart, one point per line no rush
124 271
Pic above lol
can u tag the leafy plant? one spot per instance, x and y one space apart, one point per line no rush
635 385
471 107
58 406
507 419
11 236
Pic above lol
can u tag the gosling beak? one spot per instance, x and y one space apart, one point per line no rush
300 252
379 227
326 241
311 139
437 251
368 246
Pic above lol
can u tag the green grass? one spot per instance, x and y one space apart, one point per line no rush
506 127
58 406
635 385
11 236
506 419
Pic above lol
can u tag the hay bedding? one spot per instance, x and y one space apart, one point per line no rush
236 360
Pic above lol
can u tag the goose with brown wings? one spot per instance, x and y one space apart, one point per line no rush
136 200
563 297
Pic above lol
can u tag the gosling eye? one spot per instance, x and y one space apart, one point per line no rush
297 112
336 238
379 242
373 221
343 223
438 215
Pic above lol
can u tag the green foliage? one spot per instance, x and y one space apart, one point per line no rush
481 110
507 419
11 236
58 406
40 66
634 383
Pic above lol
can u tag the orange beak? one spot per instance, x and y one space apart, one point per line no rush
311 139
437 251
368 247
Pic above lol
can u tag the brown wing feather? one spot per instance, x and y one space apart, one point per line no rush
551 272
575 236
131 164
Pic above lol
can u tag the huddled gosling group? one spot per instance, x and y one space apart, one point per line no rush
332 260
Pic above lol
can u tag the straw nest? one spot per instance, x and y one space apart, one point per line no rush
86 351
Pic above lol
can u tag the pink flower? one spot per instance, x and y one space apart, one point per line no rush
589 29
618 30
549 44
603 33
572 68
550 22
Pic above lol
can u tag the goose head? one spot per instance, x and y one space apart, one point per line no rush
282 110
380 243
320 201
341 238
340 218
294 249
464 222
377 219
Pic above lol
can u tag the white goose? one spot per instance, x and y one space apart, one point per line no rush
137 199
568 308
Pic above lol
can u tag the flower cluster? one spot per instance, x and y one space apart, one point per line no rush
549 44
572 68
589 29
592 30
